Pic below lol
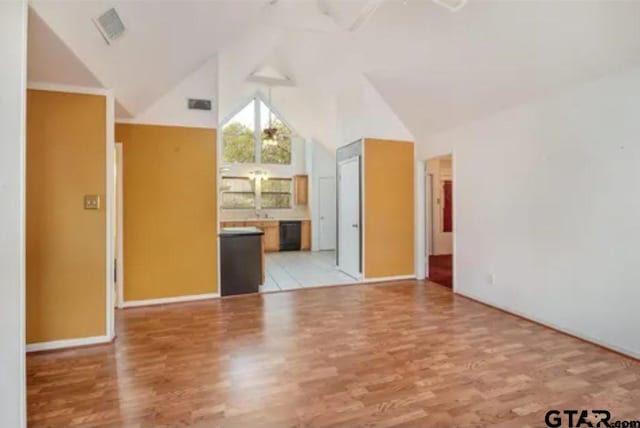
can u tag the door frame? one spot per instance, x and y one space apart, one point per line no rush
119 244
110 214
357 159
428 218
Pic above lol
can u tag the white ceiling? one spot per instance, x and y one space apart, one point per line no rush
435 68
438 69
50 60
164 41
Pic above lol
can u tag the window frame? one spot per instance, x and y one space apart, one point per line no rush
290 193
258 98
253 193
257 193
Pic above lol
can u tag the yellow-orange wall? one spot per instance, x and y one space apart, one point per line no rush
66 244
170 217
388 208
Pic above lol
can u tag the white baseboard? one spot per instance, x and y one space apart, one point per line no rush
552 326
166 300
68 343
388 278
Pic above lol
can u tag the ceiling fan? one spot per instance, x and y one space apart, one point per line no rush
367 10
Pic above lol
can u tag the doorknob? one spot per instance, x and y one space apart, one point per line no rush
354 225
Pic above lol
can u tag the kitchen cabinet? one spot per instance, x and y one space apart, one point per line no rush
305 237
233 224
301 189
271 236
271 229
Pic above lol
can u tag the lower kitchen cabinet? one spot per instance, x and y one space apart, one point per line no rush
271 236
305 235
271 229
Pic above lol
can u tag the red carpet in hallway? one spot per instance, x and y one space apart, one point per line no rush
441 270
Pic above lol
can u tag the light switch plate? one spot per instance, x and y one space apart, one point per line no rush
91 202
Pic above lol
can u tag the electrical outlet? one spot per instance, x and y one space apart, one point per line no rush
491 279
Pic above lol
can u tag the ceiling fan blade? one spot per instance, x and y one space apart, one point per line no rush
366 12
452 5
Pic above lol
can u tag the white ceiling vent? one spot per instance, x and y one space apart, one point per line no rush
110 25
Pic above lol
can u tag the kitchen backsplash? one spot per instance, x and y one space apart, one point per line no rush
301 212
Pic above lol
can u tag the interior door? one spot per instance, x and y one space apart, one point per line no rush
349 217
327 229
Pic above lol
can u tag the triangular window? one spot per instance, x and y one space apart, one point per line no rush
256 134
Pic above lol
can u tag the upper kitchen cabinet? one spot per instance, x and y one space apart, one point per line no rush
301 189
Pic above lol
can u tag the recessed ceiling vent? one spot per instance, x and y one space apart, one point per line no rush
110 25
198 104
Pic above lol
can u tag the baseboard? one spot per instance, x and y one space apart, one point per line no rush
67 343
388 278
166 300
609 347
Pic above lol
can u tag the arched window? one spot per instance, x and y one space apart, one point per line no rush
256 134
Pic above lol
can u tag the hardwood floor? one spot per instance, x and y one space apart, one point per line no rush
441 270
407 354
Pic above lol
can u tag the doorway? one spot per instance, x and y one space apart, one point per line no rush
327 209
349 215
440 219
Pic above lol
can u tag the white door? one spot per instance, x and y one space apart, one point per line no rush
327 198
349 220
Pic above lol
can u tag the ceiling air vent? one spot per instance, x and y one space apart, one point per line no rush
110 25
197 104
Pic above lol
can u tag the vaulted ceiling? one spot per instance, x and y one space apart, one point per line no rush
438 69
164 40
435 68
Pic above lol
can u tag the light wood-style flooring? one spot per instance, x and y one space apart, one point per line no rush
406 354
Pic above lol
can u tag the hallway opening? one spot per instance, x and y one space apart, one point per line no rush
440 220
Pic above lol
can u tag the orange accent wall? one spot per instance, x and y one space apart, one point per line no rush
388 208
170 211
66 244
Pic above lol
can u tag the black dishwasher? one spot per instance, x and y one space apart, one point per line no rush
290 232
240 260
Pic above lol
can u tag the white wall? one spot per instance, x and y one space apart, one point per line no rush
546 199
171 108
321 163
310 110
362 112
13 73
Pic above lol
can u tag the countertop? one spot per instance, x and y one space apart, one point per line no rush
266 219
240 231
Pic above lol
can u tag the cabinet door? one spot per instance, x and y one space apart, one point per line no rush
271 238
232 224
305 238
301 184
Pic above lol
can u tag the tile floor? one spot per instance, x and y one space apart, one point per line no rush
289 270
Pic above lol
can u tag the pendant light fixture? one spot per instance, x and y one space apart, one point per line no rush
269 133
